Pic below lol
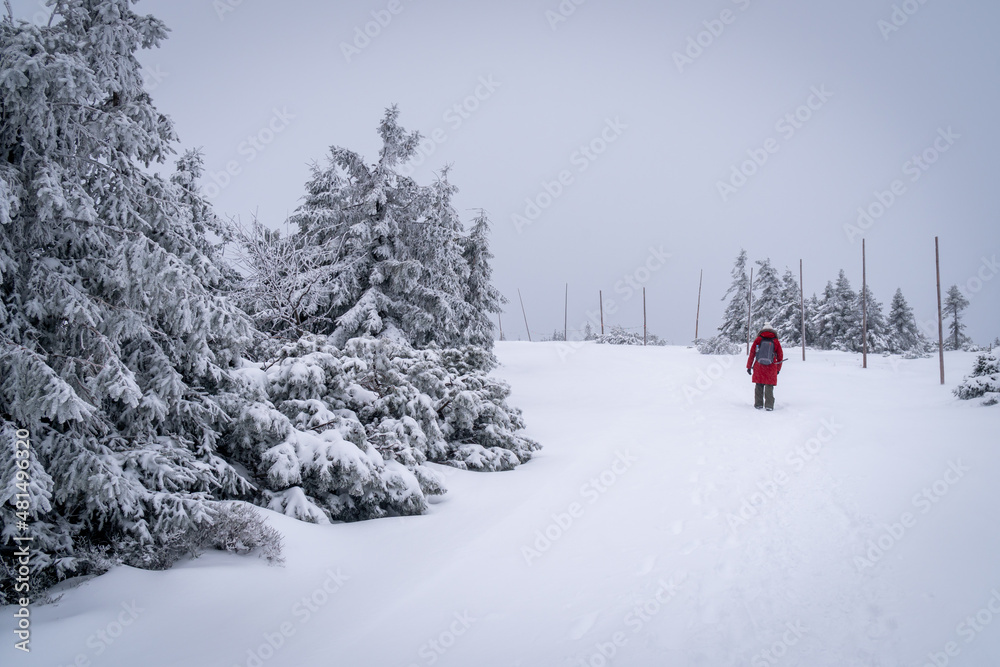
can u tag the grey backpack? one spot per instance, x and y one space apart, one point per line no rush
765 352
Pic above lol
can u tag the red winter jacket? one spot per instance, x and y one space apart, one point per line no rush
766 374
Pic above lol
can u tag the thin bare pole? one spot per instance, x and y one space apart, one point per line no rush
697 315
643 315
864 308
937 262
802 301
749 308
566 313
500 322
523 313
600 295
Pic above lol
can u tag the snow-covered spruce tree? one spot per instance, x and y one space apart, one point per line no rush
903 335
878 331
438 245
984 380
376 229
394 370
823 323
812 307
837 319
788 320
117 354
954 304
734 319
482 299
767 304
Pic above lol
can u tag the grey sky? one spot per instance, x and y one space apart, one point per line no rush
278 71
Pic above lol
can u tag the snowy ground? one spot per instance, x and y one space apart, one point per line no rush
665 522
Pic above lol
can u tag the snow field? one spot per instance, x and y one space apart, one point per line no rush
665 521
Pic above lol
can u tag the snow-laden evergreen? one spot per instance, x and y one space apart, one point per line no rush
117 350
788 318
984 380
878 330
767 301
384 254
483 300
836 319
903 335
734 319
955 304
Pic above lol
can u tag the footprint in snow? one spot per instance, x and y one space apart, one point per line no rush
583 625
647 566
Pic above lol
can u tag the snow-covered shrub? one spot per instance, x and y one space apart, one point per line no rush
344 434
984 380
618 335
717 345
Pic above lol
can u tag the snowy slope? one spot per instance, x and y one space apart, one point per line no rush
665 522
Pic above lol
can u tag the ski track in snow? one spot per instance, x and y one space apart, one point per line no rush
684 528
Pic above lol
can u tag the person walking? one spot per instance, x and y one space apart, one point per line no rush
763 365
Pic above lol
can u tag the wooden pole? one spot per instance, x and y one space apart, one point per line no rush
749 308
937 262
600 295
864 308
525 314
644 328
802 301
500 322
697 315
566 313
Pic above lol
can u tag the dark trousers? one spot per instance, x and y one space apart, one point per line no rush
763 396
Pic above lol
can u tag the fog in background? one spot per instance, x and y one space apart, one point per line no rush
669 99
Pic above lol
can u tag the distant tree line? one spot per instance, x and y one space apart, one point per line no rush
833 318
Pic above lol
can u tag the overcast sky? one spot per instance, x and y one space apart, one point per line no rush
670 98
